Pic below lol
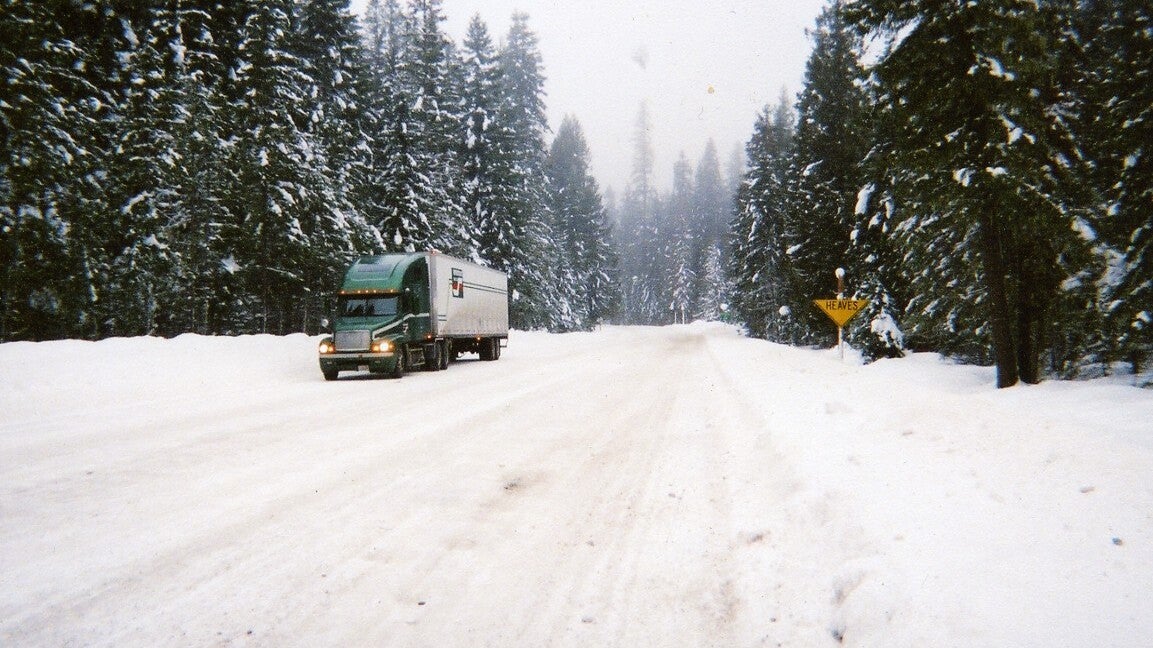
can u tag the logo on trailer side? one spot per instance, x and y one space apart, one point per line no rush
457 282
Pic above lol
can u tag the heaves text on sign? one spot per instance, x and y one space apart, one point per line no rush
841 310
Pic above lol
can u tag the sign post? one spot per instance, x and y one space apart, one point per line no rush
841 310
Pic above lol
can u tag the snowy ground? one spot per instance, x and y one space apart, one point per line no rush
636 487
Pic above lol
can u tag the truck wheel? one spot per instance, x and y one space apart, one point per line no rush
432 355
445 354
401 353
490 349
331 375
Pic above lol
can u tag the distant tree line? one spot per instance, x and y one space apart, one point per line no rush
673 245
982 170
212 167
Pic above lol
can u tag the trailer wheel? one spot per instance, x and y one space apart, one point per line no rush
401 355
490 349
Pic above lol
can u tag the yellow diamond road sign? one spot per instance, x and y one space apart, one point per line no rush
841 310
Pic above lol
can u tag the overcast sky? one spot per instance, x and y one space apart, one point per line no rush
704 67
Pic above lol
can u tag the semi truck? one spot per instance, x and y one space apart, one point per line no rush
400 312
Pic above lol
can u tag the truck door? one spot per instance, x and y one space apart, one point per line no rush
416 291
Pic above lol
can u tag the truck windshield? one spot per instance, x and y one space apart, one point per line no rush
368 306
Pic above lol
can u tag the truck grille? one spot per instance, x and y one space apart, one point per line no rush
353 340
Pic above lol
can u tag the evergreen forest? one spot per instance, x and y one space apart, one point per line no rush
978 169
213 167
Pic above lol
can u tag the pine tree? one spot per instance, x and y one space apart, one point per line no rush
829 144
432 183
641 181
717 292
879 266
829 224
542 297
202 292
413 187
638 238
379 191
329 45
1117 121
129 264
676 245
582 225
48 113
277 215
982 145
711 213
483 146
760 269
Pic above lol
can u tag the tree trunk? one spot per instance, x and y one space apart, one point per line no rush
1028 339
993 263
1030 318
1036 288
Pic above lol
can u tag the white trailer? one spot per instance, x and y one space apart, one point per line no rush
468 300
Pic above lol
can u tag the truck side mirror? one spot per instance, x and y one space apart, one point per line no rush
324 323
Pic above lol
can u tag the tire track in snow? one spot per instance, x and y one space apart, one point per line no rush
827 555
567 465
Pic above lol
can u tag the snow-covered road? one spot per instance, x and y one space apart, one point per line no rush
679 486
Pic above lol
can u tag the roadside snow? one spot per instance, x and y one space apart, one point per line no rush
679 486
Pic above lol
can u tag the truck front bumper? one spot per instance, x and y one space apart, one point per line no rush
364 361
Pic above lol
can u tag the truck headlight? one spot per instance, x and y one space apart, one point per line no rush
381 346
326 347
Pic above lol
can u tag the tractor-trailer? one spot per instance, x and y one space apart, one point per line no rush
397 312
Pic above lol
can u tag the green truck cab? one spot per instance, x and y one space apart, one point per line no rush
397 312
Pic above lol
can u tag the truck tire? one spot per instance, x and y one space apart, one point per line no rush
445 353
331 375
432 355
490 349
401 362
